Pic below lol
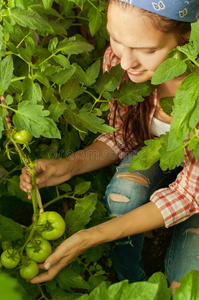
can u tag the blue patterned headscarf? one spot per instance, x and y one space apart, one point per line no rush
179 10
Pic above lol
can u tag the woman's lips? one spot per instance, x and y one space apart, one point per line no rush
135 73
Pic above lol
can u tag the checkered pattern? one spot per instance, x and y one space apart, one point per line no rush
181 199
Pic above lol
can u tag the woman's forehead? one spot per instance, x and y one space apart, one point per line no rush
132 28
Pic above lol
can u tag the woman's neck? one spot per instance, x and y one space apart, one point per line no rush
168 88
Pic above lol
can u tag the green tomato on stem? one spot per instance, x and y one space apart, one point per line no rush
10 258
51 225
38 249
23 137
6 245
29 270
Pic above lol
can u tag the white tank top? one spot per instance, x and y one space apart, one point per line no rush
158 127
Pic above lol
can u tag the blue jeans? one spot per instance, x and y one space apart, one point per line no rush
129 190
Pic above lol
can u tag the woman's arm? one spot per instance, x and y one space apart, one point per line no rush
51 172
144 218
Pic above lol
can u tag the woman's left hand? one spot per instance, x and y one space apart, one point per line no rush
63 255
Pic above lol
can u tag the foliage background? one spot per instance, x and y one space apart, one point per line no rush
50 74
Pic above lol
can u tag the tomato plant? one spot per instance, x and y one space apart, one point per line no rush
23 136
29 270
51 225
10 258
53 89
38 249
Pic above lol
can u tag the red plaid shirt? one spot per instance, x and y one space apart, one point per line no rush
181 199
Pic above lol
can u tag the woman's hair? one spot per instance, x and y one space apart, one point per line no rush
137 115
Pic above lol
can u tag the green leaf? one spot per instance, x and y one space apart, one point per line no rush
140 290
82 188
99 293
8 287
80 216
42 78
167 105
1 36
33 118
47 3
171 159
69 278
14 189
9 229
59 294
194 31
109 81
56 109
69 47
190 50
189 287
93 254
169 69
71 89
1 125
84 121
62 61
148 155
104 106
115 291
53 44
9 100
25 53
31 91
29 19
164 293
185 111
6 72
130 93
63 76
92 73
95 20
65 187
194 146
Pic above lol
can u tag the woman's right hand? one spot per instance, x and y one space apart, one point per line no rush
49 172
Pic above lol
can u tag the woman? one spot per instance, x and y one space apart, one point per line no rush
141 35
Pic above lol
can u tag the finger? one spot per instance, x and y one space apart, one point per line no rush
24 185
51 273
42 180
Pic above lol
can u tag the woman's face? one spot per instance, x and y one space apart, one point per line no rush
140 46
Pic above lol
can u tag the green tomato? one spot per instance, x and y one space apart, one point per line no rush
38 249
51 225
29 270
6 245
23 137
10 258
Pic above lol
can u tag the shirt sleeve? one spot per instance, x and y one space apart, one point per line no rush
115 117
180 200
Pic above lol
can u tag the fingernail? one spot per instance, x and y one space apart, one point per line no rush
47 266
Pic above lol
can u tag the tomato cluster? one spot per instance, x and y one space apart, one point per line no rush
50 226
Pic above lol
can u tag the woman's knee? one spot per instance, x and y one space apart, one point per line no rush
126 192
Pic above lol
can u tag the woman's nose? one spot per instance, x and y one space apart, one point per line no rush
129 59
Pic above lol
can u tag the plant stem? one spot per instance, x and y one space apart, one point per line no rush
34 197
92 4
42 294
